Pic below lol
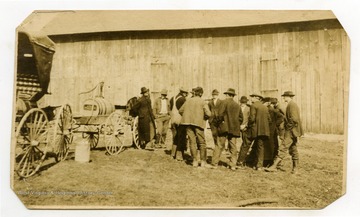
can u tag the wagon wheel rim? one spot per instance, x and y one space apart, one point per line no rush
62 132
31 142
92 138
113 134
135 133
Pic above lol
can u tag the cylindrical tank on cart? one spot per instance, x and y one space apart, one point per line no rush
97 106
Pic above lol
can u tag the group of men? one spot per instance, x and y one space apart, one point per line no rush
267 131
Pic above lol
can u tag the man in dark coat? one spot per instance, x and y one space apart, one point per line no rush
259 129
231 116
214 106
293 130
270 143
178 131
146 126
278 117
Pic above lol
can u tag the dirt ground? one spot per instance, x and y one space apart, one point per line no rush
152 179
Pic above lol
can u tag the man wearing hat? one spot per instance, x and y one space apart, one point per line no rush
214 106
193 114
146 126
178 131
245 109
162 118
279 116
271 143
231 117
293 130
258 130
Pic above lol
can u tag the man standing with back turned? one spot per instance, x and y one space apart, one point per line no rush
293 130
194 113
231 116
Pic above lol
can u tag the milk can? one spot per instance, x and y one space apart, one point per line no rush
82 151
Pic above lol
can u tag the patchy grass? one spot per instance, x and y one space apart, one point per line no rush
151 179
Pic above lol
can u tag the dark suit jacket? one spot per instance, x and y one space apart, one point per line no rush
214 111
259 120
272 122
292 119
146 117
231 114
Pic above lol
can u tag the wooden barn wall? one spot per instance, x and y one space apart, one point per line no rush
312 62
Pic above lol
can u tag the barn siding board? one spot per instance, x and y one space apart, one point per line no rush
339 82
324 79
303 70
214 58
315 64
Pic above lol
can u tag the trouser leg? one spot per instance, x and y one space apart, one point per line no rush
244 149
285 145
214 132
232 149
165 129
159 127
260 151
276 145
219 147
175 140
200 135
192 140
293 151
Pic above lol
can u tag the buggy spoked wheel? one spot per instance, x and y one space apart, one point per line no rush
135 133
31 142
92 138
62 132
113 131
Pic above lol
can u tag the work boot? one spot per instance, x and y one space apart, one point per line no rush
179 155
203 163
149 146
280 166
295 165
240 165
195 163
173 151
273 168
157 138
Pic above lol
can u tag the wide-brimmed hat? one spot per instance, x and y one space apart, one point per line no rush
244 99
163 92
266 99
182 89
144 90
215 92
288 93
256 95
198 90
273 100
230 91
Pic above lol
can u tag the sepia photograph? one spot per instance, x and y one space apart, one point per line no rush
180 109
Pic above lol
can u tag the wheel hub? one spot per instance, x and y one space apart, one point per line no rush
66 132
34 143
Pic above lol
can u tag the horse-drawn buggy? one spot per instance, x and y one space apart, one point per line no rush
38 131
46 132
